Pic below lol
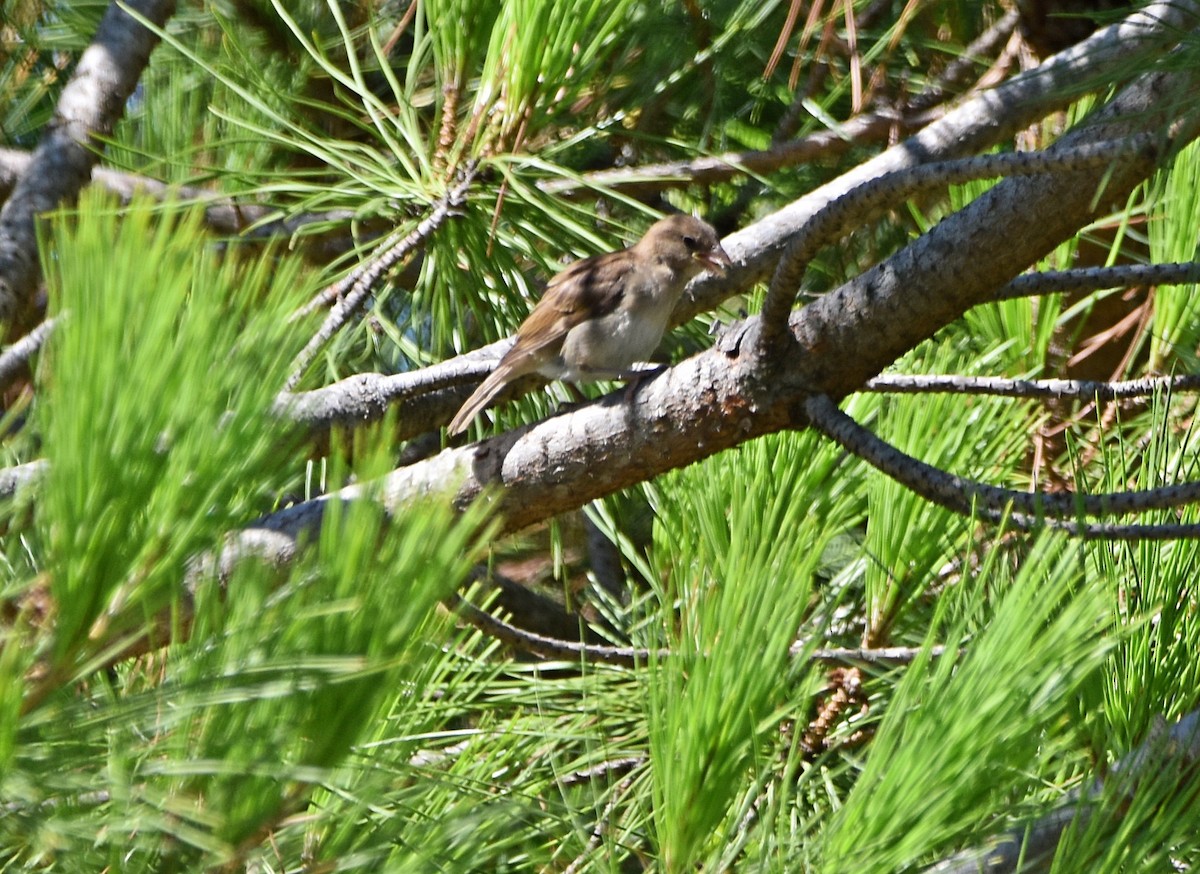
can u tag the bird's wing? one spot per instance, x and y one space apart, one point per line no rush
587 289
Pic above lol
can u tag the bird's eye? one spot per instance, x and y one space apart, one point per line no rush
691 243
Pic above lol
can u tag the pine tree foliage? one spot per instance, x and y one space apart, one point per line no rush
166 708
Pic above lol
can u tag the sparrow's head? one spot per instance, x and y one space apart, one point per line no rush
686 244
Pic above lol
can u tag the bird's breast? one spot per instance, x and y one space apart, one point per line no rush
629 334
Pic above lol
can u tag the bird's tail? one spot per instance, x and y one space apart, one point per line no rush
479 399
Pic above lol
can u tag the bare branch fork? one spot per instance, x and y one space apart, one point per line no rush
1023 509
863 204
352 290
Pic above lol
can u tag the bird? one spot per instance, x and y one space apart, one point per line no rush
603 315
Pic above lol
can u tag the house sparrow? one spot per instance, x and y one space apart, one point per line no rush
604 314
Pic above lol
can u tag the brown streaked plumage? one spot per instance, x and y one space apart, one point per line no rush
602 315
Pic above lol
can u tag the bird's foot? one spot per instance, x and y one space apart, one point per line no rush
640 374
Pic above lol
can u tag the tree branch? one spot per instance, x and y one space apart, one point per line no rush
87 111
863 129
1057 389
1096 278
978 123
967 496
721 398
631 656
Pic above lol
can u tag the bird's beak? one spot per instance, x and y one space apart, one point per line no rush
716 260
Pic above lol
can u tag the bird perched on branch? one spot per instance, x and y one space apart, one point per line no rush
602 316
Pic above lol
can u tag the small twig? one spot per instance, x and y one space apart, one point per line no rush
853 209
967 496
884 655
1096 278
359 283
630 656
401 26
601 824
549 647
82 800
1057 389
15 357
861 129
1105 531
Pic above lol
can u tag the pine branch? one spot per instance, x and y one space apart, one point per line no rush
351 291
87 111
1056 389
978 123
969 497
